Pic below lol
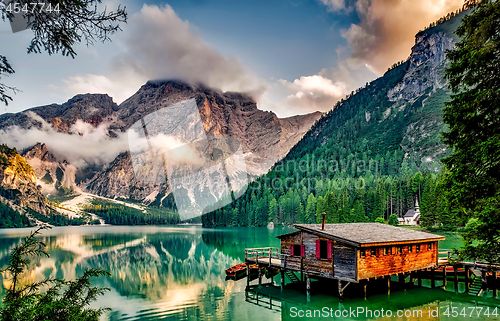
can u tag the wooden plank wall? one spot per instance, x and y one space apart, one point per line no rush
345 261
394 263
292 262
312 265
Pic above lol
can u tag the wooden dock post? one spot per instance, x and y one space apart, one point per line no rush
419 278
248 275
401 280
455 277
467 279
308 287
389 285
365 290
282 279
495 284
433 278
412 278
444 277
260 274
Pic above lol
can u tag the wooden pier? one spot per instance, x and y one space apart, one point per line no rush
477 277
360 254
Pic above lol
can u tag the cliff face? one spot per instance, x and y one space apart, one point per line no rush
401 110
18 182
423 87
263 137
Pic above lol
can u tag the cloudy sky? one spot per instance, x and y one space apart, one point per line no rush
292 56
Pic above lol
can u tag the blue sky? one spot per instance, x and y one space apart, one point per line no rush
292 56
280 39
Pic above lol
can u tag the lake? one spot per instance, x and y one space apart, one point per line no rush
177 273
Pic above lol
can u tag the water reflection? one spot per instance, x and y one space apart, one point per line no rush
178 274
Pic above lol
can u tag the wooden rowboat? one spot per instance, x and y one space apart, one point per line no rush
236 270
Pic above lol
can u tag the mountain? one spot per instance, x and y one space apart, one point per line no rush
18 188
263 137
371 156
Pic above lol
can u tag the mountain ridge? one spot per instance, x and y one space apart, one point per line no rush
372 155
222 113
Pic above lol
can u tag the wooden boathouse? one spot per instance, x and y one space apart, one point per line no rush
348 253
357 251
362 253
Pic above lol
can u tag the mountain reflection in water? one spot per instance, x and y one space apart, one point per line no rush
177 273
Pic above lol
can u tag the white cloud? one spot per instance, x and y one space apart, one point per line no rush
387 29
84 145
314 92
157 44
334 5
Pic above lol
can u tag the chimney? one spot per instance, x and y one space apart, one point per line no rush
323 219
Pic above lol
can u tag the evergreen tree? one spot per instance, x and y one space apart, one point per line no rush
473 117
393 220
310 216
273 210
50 299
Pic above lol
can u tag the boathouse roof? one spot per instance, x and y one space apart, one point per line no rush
368 234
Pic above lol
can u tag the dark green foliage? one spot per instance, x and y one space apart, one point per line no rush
393 220
76 21
56 219
50 299
11 218
5 70
350 166
473 116
117 214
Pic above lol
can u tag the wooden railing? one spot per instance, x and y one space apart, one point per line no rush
265 254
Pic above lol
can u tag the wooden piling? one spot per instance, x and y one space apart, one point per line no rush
467 279
389 285
419 278
402 280
455 277
308 287
495 284
433 278
444 277
365 290
282 279
248 275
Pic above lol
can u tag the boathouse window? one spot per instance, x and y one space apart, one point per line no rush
400 249
410 248
387 250
323 249
362 253
373 252
297 250
417 248
429 246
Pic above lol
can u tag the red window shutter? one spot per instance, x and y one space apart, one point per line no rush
291 250
302 250
329 250
318 255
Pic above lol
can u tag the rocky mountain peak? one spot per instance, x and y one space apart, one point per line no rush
18 182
